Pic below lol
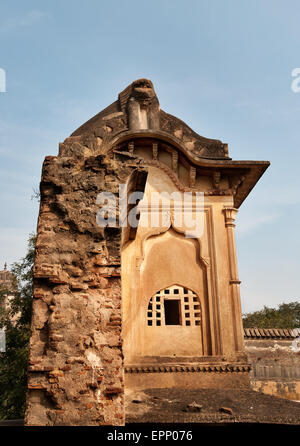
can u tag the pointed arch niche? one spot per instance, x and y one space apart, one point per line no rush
162 261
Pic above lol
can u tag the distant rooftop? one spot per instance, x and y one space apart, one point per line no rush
271 333
6 277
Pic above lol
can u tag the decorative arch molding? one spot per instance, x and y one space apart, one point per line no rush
203 283
206 261
159 135
178 156
152 232
124 145
166 169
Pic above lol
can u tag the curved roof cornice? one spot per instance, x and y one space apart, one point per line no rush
137 110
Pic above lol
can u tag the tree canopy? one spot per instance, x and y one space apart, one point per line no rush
285 316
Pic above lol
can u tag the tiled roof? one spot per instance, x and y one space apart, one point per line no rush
271 333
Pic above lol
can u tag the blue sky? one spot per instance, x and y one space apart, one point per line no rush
224 67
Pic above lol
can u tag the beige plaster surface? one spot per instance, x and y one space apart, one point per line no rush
163 257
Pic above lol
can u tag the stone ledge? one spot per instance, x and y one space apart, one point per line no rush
187 368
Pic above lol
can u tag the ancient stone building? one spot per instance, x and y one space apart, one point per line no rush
144 305
6 279
8 284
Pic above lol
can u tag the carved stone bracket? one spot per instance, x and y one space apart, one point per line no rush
172 172
192 176
155 150
216 179
131 147
174 160
230 214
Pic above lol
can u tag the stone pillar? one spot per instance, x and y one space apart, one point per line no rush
234 282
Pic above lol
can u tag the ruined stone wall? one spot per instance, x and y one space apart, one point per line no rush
75 361
275 366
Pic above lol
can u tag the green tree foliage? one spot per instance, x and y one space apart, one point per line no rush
285 316
13 363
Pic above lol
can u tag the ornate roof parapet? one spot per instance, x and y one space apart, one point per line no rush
135 118
136 109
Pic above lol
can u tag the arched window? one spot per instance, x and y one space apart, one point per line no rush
175 305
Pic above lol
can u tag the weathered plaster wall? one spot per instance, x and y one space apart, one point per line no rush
275 366
283 387
161 257
192 379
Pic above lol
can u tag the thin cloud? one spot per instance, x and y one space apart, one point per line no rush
27 20
247 223
286 196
